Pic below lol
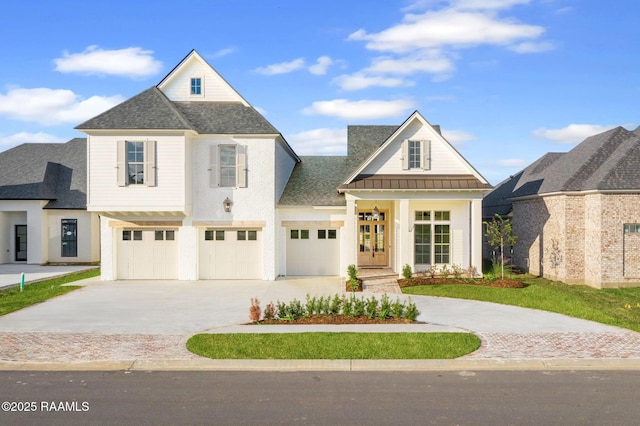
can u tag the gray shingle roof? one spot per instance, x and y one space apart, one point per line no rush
148 110
46 171
314 182
224 118
151 109
604 162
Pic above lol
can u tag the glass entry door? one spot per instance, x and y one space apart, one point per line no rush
21 243
372 238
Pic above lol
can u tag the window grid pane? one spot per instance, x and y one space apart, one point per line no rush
422 244
170 235
208 235
332 234
304 234
219 235
414 154
252 235
441 243
196 86
135 162
137 235
322 234
294 234
227 165
159 235
242 235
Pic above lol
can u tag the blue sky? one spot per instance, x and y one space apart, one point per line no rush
507 80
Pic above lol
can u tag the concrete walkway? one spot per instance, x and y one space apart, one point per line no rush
10 272
139 324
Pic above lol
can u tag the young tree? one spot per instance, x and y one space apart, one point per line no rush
500 234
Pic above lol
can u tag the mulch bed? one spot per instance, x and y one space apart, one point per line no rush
339 319
481 282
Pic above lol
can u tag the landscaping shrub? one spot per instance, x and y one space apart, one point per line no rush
406 271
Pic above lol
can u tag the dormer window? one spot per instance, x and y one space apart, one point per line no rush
196 86
416 155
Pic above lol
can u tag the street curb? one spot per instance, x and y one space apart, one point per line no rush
203 364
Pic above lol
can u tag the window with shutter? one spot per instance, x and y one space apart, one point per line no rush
136 163
228 166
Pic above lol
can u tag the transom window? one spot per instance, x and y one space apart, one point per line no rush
135 162
432 238
227 165
414 155
196 86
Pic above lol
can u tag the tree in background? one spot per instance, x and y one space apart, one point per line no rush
500 235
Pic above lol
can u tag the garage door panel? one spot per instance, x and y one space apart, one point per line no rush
230 258
147 258
313 256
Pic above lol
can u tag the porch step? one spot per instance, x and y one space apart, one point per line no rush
381 285
376 273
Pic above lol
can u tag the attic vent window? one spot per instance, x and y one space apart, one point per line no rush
196 86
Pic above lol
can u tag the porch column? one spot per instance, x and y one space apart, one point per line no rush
405 233
349 236
475 234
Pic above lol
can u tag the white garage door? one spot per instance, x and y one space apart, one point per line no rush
147 254
313 251
230 254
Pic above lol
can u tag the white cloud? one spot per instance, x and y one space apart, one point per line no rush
24 137
360 80
223 52
447 27
321 66
53 106
359 110
319 142
532 47
457 137
132 62
430 41
573 133
282 67
511 162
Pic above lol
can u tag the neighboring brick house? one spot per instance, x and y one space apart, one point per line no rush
577 214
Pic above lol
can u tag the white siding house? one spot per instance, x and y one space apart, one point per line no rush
191 182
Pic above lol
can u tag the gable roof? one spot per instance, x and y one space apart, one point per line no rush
608 161
46 171
378 147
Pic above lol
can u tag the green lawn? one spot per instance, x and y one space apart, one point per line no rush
333 345
618 307
13 299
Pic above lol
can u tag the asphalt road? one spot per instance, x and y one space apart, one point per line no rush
441 398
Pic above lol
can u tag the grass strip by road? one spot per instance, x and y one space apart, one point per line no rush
12 299
618 307
330 345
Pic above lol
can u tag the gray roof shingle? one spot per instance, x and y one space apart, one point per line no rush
151 109
604 162
314 182
46 171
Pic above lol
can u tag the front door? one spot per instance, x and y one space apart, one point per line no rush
372 238
21 243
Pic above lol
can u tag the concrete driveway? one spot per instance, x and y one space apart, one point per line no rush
187 307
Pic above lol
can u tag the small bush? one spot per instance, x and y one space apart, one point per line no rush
411 313
371 307
336 304
254 310
397 309
385 307
270 312
312 305
406 271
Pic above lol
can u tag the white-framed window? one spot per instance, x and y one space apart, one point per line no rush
416 154
136 162
432 237
327 234
228 166
196 86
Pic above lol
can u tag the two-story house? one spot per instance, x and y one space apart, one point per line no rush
191 182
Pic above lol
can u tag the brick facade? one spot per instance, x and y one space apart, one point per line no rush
579 239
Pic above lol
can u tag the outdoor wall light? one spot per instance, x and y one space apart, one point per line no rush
227 204
376 213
